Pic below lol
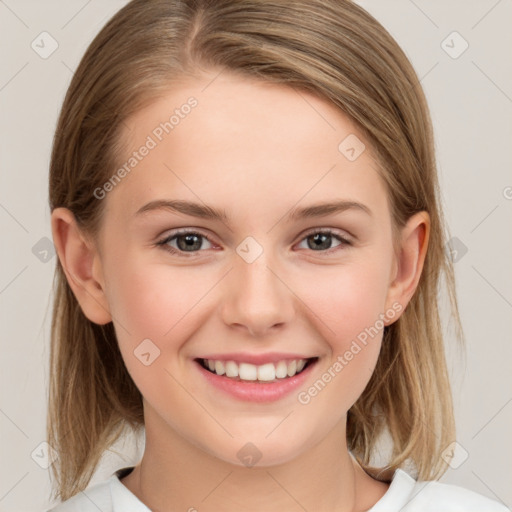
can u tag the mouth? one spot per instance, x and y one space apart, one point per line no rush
267 373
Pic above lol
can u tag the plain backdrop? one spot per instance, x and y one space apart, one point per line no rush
461 52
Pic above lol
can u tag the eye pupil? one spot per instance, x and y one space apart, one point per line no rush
320 240
190 242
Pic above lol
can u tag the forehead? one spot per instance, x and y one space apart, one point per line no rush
240 142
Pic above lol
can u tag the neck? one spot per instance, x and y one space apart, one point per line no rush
177 475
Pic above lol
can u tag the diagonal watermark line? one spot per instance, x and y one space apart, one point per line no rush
279 424
93 502
3 3
217 486
425 75
414 497
123 122
485 15
199 403
492 81
286 491
212 287
501 409
77 282
416 415
494 288
300 299
492 211
424 13
68 67
497 497
76 14
428 72
314 108
312 187
5 495
165 165
14 218
211 81
14 423
12 280
14 76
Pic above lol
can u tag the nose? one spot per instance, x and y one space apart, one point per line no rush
256 299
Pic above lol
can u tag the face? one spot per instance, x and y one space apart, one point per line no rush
271 279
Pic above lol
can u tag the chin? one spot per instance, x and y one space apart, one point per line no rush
260 452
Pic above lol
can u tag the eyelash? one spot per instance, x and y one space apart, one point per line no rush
164 243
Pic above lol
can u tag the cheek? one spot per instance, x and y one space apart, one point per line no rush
150 300
345 299
161 304
348 303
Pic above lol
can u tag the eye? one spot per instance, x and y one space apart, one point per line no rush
181 242
321 240
184 241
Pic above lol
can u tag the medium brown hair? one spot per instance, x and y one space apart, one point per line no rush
331 48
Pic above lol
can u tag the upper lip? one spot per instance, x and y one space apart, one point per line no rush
256 359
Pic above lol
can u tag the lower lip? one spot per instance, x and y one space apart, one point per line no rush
255 391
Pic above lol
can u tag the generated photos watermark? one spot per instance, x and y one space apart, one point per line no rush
304 397
152 140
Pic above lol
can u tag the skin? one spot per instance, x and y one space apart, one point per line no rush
258 151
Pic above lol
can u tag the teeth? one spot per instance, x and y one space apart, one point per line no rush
292 368
247 371
266 372
300 365
281 370
219 368
231 369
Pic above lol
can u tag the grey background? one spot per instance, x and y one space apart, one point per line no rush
470 97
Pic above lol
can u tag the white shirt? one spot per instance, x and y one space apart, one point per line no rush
403 495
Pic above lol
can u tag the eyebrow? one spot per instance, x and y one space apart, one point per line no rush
208 212
322 209
186 207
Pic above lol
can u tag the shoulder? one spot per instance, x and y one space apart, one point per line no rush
427 496
92 499
452 498
108 496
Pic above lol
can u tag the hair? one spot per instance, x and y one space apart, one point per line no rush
333 49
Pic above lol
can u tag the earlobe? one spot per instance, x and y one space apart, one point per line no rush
410 259
82 266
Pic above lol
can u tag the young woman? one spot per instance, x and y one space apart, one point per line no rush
245 208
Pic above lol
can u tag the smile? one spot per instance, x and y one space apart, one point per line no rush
268 372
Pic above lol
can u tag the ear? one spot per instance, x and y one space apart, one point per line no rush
82 265
409 261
